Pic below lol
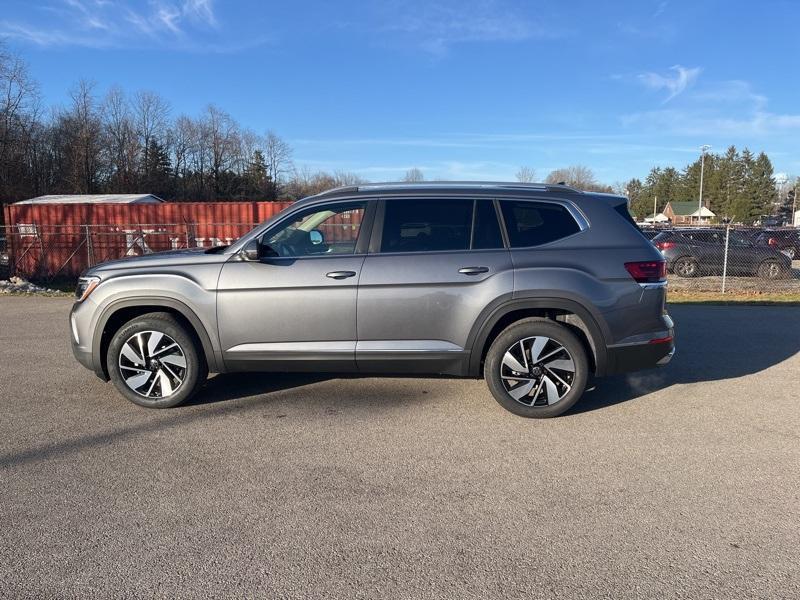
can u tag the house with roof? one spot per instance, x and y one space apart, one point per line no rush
687 213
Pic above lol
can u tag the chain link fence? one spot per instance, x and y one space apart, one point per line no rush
48 252
730 260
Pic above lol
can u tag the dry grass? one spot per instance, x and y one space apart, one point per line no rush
733 297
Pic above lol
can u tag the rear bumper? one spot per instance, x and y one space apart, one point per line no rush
644 351
636 357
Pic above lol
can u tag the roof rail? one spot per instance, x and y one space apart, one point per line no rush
465 185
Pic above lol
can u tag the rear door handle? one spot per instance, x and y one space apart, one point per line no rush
473 270
340 274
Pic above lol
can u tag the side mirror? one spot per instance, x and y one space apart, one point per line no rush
250 251
315 237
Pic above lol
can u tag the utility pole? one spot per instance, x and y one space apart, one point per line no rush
703 150
655 205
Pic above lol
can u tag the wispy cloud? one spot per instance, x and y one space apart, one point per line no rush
189 25
436 26
728 109
676 84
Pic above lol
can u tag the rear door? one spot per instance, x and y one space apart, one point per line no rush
434 264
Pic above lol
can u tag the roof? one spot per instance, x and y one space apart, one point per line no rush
94 199
689 209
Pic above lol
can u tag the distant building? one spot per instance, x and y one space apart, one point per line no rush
94 199
657 218
686 213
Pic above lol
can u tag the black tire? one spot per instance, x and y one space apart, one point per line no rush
771 269
686 266
523 330
191 377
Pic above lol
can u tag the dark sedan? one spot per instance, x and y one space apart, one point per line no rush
694 252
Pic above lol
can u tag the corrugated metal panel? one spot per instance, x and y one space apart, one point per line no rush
48 240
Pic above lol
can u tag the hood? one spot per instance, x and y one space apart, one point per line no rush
156 260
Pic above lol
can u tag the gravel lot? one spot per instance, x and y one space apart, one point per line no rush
681 482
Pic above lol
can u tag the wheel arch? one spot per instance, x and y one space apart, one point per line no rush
570 313
120 312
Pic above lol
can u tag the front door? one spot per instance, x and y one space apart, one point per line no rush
295 308
434 265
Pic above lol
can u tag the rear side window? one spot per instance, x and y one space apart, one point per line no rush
536 223
430 225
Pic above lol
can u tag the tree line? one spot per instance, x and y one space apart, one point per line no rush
738 187
118 142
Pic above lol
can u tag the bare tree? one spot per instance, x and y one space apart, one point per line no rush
222 140
120 141
151 114
278 156
577 176
80 135
526 175
19 102
414 175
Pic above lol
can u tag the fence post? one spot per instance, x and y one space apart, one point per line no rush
725 260
88 245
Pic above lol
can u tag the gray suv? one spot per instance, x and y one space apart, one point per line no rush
534 287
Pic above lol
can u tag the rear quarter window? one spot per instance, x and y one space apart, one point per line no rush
536 223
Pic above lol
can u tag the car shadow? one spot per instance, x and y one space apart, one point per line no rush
713 343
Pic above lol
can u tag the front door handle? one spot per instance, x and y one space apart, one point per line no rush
340 274
473 270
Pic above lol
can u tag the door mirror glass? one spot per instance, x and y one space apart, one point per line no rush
250 251
315 237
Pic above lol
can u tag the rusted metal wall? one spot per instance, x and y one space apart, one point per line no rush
53 240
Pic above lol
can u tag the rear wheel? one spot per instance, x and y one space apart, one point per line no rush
770 269
686 266
536 368
155 362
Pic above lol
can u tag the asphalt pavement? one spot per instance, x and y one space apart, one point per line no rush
682 482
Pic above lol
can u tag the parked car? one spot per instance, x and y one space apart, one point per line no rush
785 240
534 287
694 252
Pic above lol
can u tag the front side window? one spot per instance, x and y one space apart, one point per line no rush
327 230
536 223
441 224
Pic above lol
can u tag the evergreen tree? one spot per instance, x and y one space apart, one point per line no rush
256 181
158 169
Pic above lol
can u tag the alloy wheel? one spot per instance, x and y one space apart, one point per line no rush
152 364
537 371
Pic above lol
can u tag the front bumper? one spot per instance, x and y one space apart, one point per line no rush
81 339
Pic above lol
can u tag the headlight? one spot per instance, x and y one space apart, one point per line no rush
85 287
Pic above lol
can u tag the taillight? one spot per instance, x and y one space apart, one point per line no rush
654 271
665 245
772 242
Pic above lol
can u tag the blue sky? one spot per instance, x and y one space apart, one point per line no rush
460 89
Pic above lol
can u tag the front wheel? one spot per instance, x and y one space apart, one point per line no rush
155 362
536 368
